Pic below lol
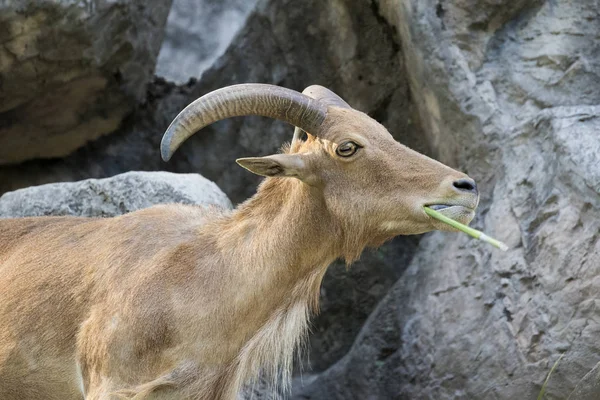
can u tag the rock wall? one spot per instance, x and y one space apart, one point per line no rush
197 33
512 91
70 71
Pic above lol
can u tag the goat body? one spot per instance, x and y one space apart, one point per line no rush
134 304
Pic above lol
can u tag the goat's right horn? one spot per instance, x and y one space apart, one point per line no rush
239 100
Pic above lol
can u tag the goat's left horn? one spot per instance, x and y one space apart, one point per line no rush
326 97
239 100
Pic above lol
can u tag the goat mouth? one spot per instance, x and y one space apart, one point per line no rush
458 212
440 207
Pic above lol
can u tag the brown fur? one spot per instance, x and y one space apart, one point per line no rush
180 302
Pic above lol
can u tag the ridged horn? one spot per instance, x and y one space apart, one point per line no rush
326 97
240 100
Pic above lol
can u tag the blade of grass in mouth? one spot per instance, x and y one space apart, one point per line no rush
469 231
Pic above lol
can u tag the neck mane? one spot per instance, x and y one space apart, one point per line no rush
281 240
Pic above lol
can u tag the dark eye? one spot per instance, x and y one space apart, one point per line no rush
346 149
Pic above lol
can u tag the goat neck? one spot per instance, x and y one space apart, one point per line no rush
285 237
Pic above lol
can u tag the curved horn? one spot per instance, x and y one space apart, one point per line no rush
326 97
239 100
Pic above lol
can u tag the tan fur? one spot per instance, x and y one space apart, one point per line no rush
180 302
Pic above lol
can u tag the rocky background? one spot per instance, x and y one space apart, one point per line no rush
507 91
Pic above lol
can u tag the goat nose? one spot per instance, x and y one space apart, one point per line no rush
465 185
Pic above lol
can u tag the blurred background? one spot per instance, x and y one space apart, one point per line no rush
507 91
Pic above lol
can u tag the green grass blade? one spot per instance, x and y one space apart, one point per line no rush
464 228
541 395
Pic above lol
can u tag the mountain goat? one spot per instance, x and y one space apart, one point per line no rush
181 302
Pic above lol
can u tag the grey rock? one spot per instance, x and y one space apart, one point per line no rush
588 387
112 196
510 90
197 33
71 71
261 390
348 296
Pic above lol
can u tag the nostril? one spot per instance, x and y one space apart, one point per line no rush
466 185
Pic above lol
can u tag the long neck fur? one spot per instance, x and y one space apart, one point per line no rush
281 240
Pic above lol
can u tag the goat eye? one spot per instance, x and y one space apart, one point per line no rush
346 149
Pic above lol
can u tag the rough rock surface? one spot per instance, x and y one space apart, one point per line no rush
197 33
511 90
112 196
589 386
70 71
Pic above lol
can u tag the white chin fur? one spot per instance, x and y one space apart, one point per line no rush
458 213
391 226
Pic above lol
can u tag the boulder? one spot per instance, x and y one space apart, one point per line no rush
71 71
112 196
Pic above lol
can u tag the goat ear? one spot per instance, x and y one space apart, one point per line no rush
276 165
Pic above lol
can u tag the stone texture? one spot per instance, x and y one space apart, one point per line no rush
589 386
511 91
112 196
348 296
70 71
197 33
